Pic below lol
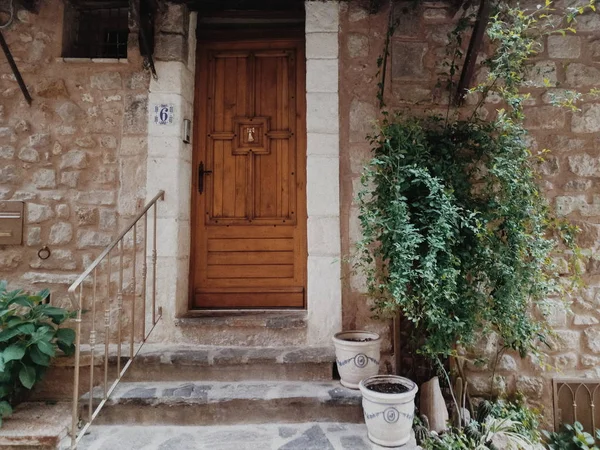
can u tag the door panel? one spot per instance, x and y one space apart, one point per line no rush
249 221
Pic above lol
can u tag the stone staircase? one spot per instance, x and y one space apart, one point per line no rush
216 397
230 398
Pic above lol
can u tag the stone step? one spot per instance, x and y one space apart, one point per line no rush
224 403
201 363
37 426
275 436
161 362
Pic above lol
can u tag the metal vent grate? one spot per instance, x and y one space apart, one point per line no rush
93 31
575 400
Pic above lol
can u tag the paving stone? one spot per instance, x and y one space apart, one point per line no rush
312 439
183 442
354 443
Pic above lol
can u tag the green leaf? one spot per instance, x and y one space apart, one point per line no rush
38 357
5 389
26 328
46 347
66 348
27 376
13 352
6 335
5 409
66 335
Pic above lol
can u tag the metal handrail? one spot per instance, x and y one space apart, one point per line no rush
76 295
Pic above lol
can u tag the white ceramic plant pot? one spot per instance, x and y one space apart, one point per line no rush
389 417
356 360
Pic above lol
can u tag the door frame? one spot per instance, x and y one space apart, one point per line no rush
168 153
200 130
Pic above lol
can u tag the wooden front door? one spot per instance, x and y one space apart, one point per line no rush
249 197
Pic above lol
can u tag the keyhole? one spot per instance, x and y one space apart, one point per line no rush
250 134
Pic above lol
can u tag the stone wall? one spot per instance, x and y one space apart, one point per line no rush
76 156
570 175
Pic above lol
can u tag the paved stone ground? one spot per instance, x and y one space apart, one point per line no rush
304 436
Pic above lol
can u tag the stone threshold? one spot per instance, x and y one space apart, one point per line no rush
36 425
269 319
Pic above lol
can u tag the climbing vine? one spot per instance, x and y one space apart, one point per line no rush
456 232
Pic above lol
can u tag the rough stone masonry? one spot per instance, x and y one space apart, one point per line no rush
571 174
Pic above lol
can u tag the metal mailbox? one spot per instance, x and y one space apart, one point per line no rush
11 223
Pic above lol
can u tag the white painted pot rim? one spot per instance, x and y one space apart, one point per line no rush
342 336
380 397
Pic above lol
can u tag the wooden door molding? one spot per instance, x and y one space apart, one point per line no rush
249 224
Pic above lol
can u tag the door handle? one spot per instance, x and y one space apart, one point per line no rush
201 173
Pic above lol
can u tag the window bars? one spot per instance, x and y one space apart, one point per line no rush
575 400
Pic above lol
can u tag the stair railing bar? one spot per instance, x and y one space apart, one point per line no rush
77 297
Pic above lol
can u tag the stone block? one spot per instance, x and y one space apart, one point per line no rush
566 361
28 154
87 215
37 213
322 16
544 118
584 165
59 260
69 179
323 235
7 152
580 75
324 298
322 188
564 47
171 47
322 113
60 233
408 18
74 159
106 81
322 75
175 19
10 259
44 178
407 60
592 339
587 120
92 239
358 45
584 319
8 174
39 140
363 116
543 74
588 22
48 88
322 46
173 77
105 198
86 141
108 141
435 14
138 80
108 220
135 114
21 126
34 236
63 211
69 112
323 144
531 387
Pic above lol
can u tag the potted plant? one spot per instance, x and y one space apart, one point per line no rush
357 356
389 407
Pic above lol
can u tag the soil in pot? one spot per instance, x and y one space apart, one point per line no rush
388 388
368 339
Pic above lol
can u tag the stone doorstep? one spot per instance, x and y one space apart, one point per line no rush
211 403
36 425
268 319
274 436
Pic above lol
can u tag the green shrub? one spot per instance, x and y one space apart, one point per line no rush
572 437
29 339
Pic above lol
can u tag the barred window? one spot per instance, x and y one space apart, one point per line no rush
96 29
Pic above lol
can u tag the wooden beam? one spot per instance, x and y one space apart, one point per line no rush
483 17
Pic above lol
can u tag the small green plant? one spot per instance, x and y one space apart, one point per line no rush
572 437
29 338
501 425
